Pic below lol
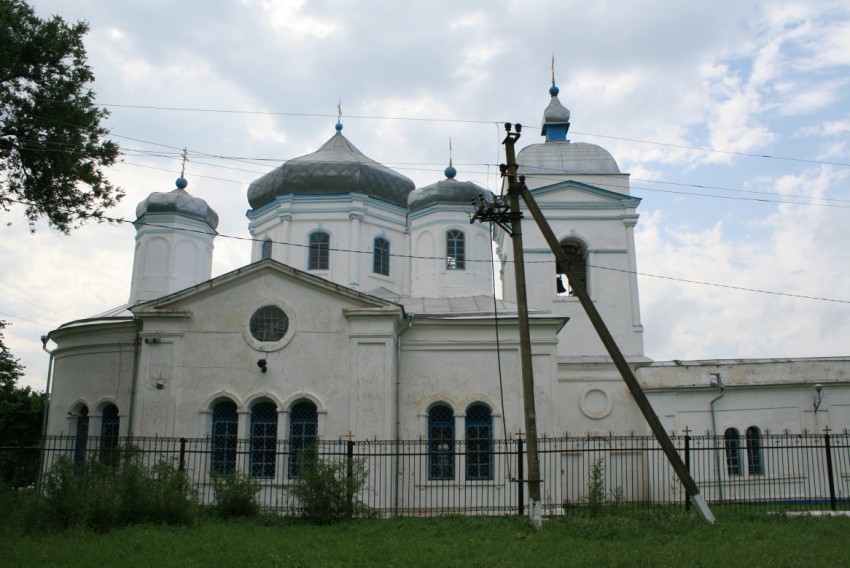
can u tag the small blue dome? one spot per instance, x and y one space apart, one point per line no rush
181 182
338 127
554 90
450 172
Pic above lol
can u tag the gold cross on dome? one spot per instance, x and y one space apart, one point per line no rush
339 111
185 159
553 68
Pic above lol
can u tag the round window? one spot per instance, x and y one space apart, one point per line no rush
268 324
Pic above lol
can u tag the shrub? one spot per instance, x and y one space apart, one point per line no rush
235 495
327 491
101 497
597 497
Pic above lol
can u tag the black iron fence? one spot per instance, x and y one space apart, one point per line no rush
780 472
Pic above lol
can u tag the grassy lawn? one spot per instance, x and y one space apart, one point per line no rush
636 538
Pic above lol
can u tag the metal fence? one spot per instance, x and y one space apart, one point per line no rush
781 472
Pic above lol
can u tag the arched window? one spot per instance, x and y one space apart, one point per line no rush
732 443
224 429
755 465
441 443
82 433
109 434
263 439
479 442
455 250
576 252
303 432
320 243
266 250
381 260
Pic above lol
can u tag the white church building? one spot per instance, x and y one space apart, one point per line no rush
368 311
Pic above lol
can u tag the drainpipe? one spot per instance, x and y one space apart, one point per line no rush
44 340
714 431
409 318
137 344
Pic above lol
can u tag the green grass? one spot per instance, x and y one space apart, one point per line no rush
635 538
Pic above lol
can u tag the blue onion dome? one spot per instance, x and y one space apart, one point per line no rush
556 116
178 201
338 167
448 191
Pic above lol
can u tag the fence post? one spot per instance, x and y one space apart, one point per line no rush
349 476
182 466
520 478
687 465
832 502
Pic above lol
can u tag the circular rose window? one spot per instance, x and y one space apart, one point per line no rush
268 324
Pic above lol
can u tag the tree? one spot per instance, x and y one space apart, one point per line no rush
52 151
21 411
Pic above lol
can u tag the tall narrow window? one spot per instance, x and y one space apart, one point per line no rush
455 250
575 251
755 465
303 433
732 443
82 437
320 243
479 443
381 261
266 250
263 439
109 434
441 443
224 429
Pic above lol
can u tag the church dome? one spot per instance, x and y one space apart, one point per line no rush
558 155
448 191
336 167
178 201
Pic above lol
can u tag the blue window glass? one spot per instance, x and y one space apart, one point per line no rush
755 465
109 434
455 250
732 443
381 260
320 243
82 435
303 432
441 443
263 439
266 251
479 443
224 430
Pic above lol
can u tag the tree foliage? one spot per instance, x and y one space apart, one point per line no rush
20 407
52 151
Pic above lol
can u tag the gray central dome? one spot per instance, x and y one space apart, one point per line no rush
336 167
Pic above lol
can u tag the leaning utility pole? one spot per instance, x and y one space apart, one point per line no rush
515 189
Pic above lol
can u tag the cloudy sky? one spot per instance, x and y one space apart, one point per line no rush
732 117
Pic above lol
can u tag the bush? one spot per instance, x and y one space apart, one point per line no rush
327 491
101 497
235 495
597 497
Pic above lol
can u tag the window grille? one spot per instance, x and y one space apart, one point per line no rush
732 442
441 443
303 433
224 430
269 324
455 250
479 443
263 439
320 243
381 261
575 252
755 465
82 435
267 249
109 434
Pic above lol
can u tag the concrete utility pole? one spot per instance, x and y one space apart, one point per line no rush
515 189
487 213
